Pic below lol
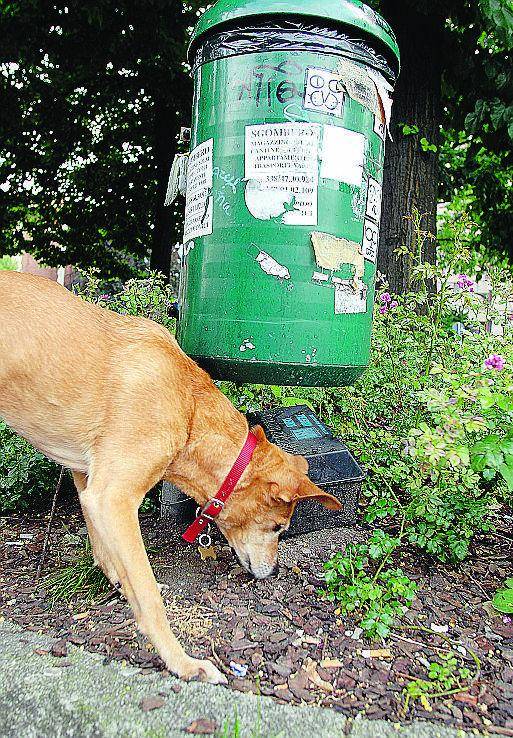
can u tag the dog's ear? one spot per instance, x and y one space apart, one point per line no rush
307 490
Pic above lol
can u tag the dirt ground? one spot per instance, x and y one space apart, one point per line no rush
279 637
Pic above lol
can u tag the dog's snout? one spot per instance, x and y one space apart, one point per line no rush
275 571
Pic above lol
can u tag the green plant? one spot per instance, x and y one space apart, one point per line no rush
27 478
82 578
376 598
409 130
151 297
426 146
445 677
503 599
7 263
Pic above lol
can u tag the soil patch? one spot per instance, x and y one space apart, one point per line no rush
279 636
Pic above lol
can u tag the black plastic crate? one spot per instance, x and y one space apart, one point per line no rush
331 465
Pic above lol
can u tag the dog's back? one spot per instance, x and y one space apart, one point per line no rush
66 366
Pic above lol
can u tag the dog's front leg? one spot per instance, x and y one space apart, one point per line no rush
113 514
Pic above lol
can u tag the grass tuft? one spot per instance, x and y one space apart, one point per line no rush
81 579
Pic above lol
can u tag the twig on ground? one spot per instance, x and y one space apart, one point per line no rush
49 526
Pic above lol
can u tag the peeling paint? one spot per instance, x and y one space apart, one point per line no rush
185 249
332 253
320 277
271 266
247 345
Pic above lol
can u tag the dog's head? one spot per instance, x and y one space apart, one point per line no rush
262 508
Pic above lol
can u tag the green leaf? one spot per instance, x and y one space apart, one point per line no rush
503 601
507 474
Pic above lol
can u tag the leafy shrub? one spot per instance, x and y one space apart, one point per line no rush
150 297
27 477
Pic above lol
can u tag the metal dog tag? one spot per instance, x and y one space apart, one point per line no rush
205 548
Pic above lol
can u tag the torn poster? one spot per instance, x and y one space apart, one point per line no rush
332 253
350 299
359 85
374 198
342 155
272 267
370 240
324 92
265 204
379 127
177 179
199 201
385 90
283 158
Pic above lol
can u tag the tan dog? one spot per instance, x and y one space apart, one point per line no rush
116 400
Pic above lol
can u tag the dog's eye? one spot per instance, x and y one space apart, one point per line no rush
278 528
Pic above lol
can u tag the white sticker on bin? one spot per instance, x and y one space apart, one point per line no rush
324 92
374 197
199 201
370 240
343 155
282 170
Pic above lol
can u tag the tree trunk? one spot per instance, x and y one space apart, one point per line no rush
411 174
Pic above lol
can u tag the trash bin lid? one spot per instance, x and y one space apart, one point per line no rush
350 13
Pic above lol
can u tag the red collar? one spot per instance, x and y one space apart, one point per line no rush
214 507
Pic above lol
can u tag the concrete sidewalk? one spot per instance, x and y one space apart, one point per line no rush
87 699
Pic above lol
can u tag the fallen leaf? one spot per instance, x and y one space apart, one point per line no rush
332 664
41 652
311 640
377 653
425 703
439 628
152 703
81 616
202 727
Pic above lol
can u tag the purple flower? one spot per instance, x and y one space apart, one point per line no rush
465 283
388 303
495 361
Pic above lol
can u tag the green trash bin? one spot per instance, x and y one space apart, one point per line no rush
291 109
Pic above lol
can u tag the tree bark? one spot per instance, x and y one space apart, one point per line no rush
411 174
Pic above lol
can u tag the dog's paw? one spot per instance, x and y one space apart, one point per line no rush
204 671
